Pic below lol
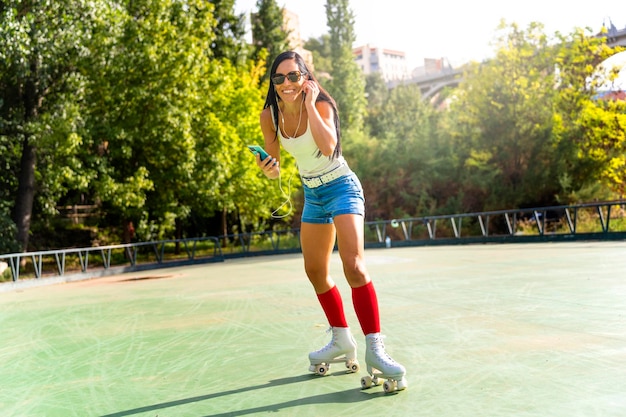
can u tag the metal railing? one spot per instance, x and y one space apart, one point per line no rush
593 221
605 220
113 259
270 242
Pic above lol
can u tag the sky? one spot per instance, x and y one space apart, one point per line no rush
456 30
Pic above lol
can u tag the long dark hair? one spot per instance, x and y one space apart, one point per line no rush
272 98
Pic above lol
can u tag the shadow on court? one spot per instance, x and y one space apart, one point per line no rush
343 397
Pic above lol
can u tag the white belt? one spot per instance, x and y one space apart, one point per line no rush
314 182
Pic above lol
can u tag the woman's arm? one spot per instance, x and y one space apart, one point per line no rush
321 119
271 166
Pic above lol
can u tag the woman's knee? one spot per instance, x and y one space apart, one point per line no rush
355 272
319 275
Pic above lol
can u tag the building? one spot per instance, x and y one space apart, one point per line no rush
614 36
291 25
390 64
432 66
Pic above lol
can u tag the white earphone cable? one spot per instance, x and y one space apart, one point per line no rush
286 202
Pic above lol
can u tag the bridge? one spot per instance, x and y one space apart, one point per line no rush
431 84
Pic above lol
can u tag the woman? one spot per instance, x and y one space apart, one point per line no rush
303 117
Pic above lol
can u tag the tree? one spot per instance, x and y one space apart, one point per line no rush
147 73
589 133
227 180
8 244
144 59
320 49
377 94
40 50
228 40
268 33
347 85
398 168
503 124
168 121
9 158
604 125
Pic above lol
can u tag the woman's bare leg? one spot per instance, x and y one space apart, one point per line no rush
317 242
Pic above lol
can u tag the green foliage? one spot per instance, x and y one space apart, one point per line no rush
9 160
227 177
320 49
169 122
144 109
399 167
143 101
510 138
604 143
589 133
270 37
7 230
503 122
347 84
41 46
153 117
377 93
229 29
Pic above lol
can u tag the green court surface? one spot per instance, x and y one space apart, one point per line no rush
483 330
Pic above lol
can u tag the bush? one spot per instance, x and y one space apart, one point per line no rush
5 275
8 231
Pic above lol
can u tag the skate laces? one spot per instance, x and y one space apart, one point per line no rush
378 349
330 344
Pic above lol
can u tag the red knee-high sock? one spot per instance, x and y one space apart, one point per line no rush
366 308
333 307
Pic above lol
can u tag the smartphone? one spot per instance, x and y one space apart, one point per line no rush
257 150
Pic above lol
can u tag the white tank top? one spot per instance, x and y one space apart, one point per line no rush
305 151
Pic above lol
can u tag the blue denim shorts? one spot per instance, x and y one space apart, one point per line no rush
341 196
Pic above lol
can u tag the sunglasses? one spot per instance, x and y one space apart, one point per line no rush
293 76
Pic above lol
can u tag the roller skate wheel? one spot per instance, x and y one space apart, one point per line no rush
312 368
366 382
322 369
353 367
376 381
402 384
389 386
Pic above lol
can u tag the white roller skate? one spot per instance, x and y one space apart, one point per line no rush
380 366
341 348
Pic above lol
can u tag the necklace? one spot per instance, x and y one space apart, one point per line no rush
282 116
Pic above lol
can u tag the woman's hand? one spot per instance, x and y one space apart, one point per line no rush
312 90
269 166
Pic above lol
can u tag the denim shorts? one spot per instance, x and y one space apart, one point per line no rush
341 196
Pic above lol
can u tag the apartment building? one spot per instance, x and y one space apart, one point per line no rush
391 64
